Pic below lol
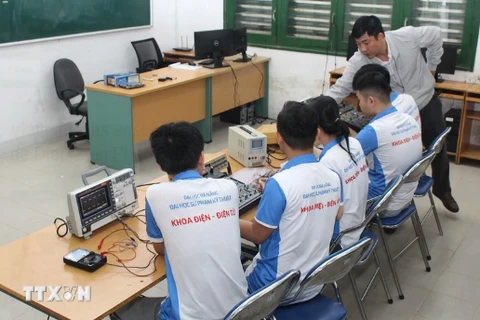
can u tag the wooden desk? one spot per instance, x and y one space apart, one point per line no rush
36 260
467 93
119 118
178 56
469 115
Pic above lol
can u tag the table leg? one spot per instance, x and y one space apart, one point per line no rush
111 131
205 125
261 106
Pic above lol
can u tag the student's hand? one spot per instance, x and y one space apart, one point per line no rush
259 184
262 182
433 73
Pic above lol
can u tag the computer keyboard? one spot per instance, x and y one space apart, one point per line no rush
248 196
355 119
344 109
206 62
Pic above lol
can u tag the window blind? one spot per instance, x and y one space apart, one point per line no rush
354 9
255 15
449 15
308 19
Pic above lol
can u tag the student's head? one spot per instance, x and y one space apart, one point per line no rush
374 67
178 147
330 126
296 127
369 35
373 92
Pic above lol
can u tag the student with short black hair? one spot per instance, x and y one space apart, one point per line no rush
344 155
296 215
391 141
193 222
401 101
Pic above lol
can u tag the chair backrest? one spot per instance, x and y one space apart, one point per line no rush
437 144
263 302
416 171
379 204
382 201
331 269
149 54
68 79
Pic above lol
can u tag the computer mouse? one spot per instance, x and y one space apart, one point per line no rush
191 63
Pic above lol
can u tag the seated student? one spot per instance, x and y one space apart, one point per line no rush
344 155
403 102
296 215
202 252
391 141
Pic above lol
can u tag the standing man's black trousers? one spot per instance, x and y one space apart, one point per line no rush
433 123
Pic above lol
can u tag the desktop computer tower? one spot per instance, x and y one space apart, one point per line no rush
452 119
239 115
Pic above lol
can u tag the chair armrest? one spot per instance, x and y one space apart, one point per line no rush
67 101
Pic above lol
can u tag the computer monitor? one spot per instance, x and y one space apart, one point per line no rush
214 44
240 44
352 47
448 61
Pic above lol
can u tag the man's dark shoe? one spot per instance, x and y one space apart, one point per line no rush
449 202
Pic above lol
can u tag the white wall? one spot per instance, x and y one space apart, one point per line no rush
188 18
31 112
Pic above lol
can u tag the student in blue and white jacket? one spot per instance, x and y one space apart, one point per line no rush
391 141
344 155
403 102
296 215
193 222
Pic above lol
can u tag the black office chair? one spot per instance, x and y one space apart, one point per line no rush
69 84
149 55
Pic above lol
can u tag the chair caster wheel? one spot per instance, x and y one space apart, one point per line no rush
429 258
429 269
70 145
401 297
390 301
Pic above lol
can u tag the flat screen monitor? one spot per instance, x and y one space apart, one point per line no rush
214 44
448 61
240 44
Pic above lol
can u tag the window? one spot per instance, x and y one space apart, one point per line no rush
323 26
257 17
354 9
451 17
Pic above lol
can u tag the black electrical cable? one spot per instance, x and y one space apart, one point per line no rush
64 224
261 82
236 98
147 184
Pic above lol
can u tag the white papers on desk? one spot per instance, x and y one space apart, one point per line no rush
179 65
248 175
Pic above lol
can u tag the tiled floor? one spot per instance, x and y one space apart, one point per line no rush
35 183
